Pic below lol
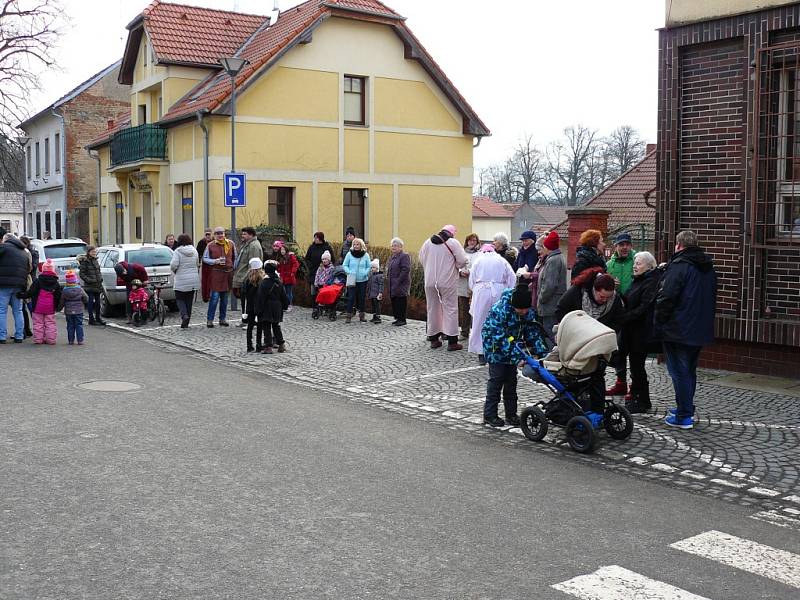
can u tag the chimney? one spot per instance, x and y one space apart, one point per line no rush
276 11
111 123
650 148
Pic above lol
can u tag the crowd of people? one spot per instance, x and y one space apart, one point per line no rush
489 295
484 294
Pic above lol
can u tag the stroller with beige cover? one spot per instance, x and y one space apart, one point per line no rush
583 348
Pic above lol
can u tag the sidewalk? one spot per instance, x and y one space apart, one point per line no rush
746 446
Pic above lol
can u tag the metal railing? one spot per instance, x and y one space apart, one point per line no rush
138 143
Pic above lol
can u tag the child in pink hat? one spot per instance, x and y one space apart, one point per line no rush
73 299
45 296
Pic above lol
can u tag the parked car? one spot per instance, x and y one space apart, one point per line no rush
155 259
63 253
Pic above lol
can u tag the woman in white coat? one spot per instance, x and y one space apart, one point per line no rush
489 276
187 277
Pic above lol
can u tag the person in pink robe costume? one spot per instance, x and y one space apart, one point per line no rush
441 257
489 277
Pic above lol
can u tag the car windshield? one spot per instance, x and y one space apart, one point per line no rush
56 251
150 257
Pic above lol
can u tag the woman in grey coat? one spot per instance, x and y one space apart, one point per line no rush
551 283
187 278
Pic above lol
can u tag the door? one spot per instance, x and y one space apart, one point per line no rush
353 211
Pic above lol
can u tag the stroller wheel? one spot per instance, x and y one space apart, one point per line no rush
533 423
618 422
580 434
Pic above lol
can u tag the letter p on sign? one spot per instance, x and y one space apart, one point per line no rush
235 187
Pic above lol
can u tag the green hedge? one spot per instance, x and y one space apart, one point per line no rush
383 253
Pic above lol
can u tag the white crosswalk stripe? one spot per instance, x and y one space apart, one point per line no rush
615 583
746 555
782 518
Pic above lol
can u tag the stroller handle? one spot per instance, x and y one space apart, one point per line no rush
530 360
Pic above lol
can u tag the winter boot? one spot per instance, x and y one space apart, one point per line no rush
640 402
620 388
282 347
362 317
435 341
452 343
348 317
315 313
267 350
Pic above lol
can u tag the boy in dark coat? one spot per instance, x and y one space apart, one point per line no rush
375 290
271 301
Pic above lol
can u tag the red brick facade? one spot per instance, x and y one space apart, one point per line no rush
708 94
578 221
86 116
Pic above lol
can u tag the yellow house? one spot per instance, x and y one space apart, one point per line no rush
342 119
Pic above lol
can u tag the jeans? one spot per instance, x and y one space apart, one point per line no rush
356 296
502 378
399 306
75 328
184 301
289 289
8 295
220 298
682 368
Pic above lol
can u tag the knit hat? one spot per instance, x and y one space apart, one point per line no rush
136 282
255 263
48 266
325 255
376 263
528 235
552 241
71 277
269 267
521 296
277 243
349 231
451 229
487 248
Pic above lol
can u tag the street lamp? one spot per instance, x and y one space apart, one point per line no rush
233 66
23 141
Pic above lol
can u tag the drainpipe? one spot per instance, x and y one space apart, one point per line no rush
202 125
96 156
63 171
480 139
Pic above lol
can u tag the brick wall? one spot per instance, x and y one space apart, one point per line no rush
711 147
85 117
579 220
748 357
706 114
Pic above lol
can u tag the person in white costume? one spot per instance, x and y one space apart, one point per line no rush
489 276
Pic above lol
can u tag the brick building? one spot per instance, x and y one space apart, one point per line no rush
60 176
728 167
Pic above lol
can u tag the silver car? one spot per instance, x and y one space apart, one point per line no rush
62 252
155 259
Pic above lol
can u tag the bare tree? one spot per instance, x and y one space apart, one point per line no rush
525 170
12 172
624 148
568 163
28 33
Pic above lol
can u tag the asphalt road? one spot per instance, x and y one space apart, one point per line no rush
210 482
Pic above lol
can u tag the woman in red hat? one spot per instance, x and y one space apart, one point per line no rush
551 283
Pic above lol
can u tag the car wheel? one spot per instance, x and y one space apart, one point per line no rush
106 309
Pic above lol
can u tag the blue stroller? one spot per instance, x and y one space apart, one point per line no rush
582 352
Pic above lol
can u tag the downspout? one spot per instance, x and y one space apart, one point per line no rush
63 171
96 156
202 125
480 139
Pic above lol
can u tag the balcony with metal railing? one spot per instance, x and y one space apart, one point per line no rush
140 143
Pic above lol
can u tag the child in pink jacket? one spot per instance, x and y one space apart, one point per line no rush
45 295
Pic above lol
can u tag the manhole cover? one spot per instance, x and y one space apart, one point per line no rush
109 386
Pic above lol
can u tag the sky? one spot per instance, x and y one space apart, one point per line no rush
526 66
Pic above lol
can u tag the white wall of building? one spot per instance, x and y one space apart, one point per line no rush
678 12
486 227
44 186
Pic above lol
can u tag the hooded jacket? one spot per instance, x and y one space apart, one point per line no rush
271 300
184 265
687 299
89 272
504 323
45 282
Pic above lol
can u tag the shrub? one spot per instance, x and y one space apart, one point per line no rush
383 254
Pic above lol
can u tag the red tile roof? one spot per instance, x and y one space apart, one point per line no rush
625 198
268 43
194 35
484 207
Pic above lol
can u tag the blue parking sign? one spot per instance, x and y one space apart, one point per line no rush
235 186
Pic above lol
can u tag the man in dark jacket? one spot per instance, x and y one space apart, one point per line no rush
685 307
15 266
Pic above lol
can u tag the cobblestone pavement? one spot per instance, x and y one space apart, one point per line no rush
745 448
